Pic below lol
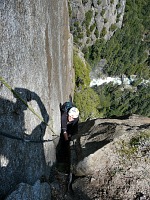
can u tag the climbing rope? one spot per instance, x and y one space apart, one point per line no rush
24 139
30 108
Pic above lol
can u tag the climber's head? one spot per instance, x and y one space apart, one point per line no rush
73 114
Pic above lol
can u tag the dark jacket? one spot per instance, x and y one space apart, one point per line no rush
70 127
63 147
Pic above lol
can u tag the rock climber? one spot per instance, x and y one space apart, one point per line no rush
69 127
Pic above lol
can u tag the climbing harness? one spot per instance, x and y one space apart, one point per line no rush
31 109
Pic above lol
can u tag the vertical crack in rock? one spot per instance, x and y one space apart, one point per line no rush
49 62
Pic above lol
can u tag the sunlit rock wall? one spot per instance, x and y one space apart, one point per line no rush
36 60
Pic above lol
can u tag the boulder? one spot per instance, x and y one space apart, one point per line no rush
39 191
114 160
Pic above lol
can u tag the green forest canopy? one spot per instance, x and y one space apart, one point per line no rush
126 53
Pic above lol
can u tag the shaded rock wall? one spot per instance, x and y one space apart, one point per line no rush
26 192
36 57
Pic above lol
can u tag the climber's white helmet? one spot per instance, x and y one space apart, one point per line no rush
73 112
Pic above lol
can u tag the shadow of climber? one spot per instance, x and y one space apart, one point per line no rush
20 161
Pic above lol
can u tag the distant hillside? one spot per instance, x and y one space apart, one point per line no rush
94 19
126 53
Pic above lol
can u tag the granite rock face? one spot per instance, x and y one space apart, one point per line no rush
114 159
36 61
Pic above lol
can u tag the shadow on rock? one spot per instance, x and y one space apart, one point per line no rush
21 159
